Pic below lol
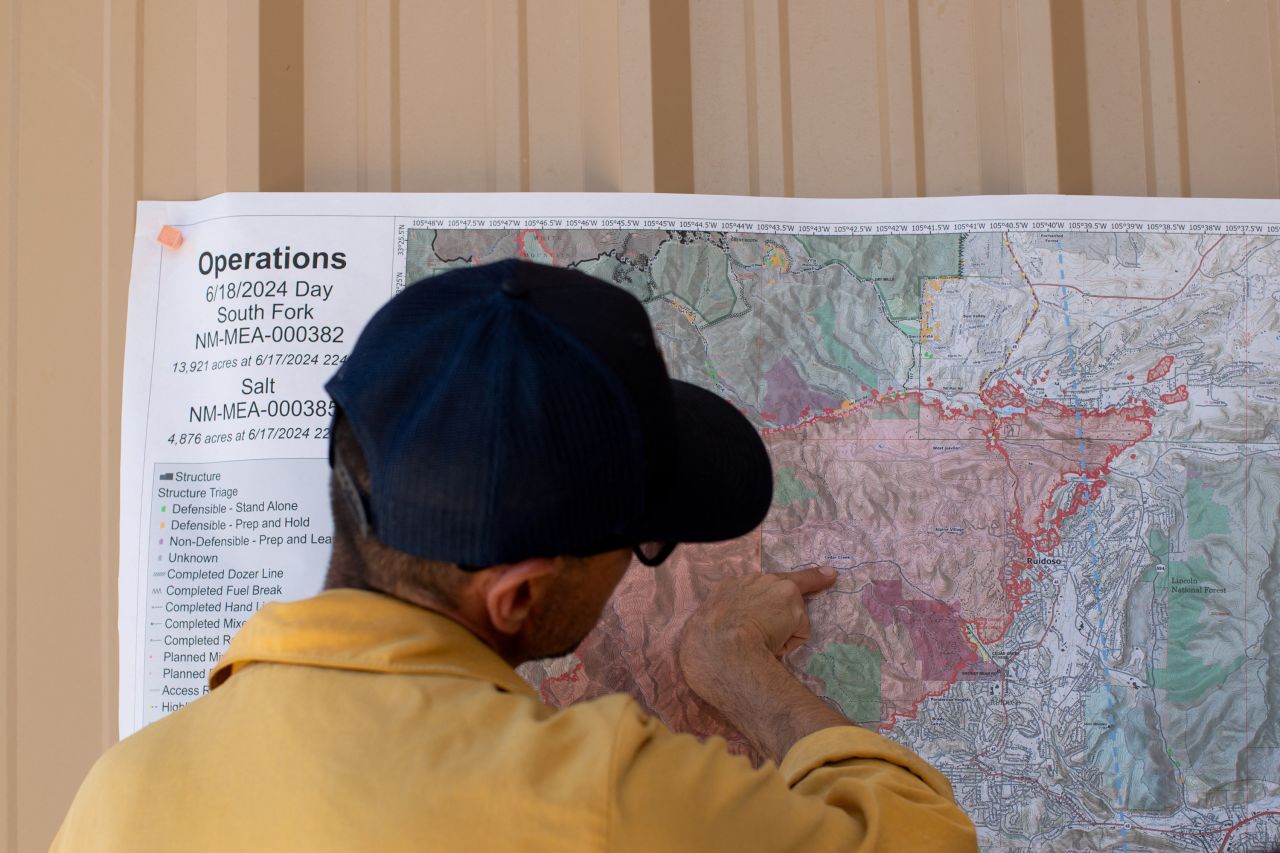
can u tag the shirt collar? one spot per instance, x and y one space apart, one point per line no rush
367 631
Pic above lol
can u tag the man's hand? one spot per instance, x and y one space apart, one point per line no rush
765 610
730 657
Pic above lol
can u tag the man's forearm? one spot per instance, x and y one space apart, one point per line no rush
760 697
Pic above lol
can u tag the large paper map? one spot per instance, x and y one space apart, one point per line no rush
1045 464
1039 438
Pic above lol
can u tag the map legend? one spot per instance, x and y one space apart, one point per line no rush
236 535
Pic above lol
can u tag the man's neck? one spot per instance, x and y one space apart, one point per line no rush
477 623
347 569
473 618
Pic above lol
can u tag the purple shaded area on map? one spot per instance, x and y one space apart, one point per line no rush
787 395
935 628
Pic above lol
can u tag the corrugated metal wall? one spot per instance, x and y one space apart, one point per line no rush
794 97
105 102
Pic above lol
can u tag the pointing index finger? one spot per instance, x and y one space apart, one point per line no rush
811 580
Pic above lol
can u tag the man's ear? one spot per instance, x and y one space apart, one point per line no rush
512 591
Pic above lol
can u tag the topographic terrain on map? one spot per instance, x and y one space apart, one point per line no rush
1046 466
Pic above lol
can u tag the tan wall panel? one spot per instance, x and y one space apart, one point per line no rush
57 525
768 109
211 97
243 127
1164 104
1273 36
635 95
1029 79
1071 96
507 149
834 93
1231 130
279 84
106 101
718 70
444 129
600 85
332 57
9 22
1015 107
899 103
226 75
120 179
1113 73
949 99
556 117
350 79
670 55
998 111
169 110
379 164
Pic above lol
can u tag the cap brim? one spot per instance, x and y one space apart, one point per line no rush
722 481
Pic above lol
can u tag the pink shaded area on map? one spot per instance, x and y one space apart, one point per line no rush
1161 368
931 514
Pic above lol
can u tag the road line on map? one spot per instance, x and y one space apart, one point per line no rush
1176 293
1223 845
1091 528
1035 312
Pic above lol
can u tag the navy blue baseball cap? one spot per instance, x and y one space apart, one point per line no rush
517 410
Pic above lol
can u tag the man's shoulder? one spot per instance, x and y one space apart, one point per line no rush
122 788
623 720
634 734
610 709
157 755
592 726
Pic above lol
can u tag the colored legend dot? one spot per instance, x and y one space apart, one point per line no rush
161 541
163 507
162 525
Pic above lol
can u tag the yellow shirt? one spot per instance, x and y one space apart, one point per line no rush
353 721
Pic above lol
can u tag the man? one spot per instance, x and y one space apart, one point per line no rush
507 438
